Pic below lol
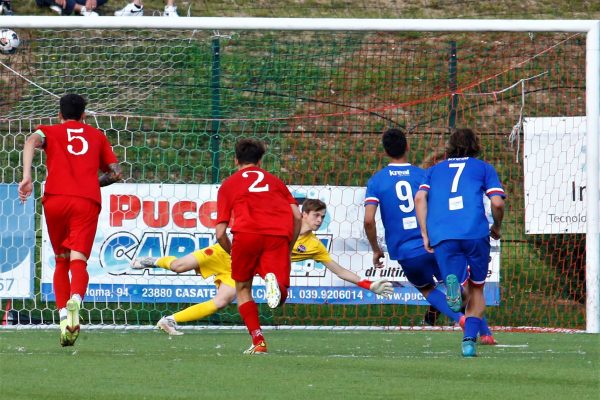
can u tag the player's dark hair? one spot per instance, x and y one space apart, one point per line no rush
463 142
313 205
394 143
249 151
72 106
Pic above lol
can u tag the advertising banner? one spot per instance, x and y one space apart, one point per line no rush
17 243
554 167
169 219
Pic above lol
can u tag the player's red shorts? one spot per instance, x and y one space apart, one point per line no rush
253 254
71 222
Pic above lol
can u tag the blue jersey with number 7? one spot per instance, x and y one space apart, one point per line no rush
455 208
393 189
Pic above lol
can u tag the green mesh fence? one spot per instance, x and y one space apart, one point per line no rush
173 104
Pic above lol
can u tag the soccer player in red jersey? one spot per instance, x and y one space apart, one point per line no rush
75 152
265 221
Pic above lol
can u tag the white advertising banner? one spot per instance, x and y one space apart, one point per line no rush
175 219
17 244
554 167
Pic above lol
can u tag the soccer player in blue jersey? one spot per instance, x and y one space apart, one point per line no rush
393 189
451 213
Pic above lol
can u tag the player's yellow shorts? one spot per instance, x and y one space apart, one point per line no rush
213 260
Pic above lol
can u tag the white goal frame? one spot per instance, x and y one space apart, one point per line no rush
590 27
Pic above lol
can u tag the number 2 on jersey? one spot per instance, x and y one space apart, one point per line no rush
259 178
71 138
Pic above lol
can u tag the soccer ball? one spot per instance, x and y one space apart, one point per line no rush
9 41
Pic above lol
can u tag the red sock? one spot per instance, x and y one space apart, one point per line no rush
284 294
62 285
79 277
249 313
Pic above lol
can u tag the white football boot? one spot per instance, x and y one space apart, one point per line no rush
130 10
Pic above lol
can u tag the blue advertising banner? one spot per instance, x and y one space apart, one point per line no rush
17 243
147 293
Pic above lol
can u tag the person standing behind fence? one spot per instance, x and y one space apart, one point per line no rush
75 152
455 228
266 223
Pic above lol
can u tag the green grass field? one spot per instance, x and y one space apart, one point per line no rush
302 364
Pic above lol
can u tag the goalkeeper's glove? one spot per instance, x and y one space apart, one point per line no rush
381 286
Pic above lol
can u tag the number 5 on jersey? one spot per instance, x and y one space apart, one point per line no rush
72 138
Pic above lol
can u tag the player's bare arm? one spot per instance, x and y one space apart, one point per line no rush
421 210
222 238
497 203
342 272
34 141
371 232
111 176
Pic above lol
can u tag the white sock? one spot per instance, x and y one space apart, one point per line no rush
62 313
76 297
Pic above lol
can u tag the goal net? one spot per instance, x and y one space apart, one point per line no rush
174 101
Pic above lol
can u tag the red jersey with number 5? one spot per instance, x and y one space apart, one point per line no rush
74 154
258 201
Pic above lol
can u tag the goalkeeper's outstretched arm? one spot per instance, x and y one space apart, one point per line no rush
381 286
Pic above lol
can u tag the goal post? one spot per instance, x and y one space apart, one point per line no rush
302 117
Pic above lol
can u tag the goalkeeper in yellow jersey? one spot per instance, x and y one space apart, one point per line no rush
214 261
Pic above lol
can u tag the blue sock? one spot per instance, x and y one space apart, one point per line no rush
438 299
484 329
472 325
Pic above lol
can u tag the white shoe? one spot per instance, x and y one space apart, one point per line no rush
130 10
56 9
73 326
87 13
144 262
169 325
170 11
273 294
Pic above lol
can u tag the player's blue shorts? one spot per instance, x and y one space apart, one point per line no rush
454 255
420 270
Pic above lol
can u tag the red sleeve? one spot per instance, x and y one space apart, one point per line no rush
107 155
223 204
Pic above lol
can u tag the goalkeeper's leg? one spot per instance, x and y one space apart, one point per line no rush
178 265
224 297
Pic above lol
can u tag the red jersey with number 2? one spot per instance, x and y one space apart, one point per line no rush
258 201
74 154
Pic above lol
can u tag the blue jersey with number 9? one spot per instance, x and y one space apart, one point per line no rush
455 208
393 189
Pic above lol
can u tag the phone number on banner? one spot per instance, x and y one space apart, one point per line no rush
296 294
